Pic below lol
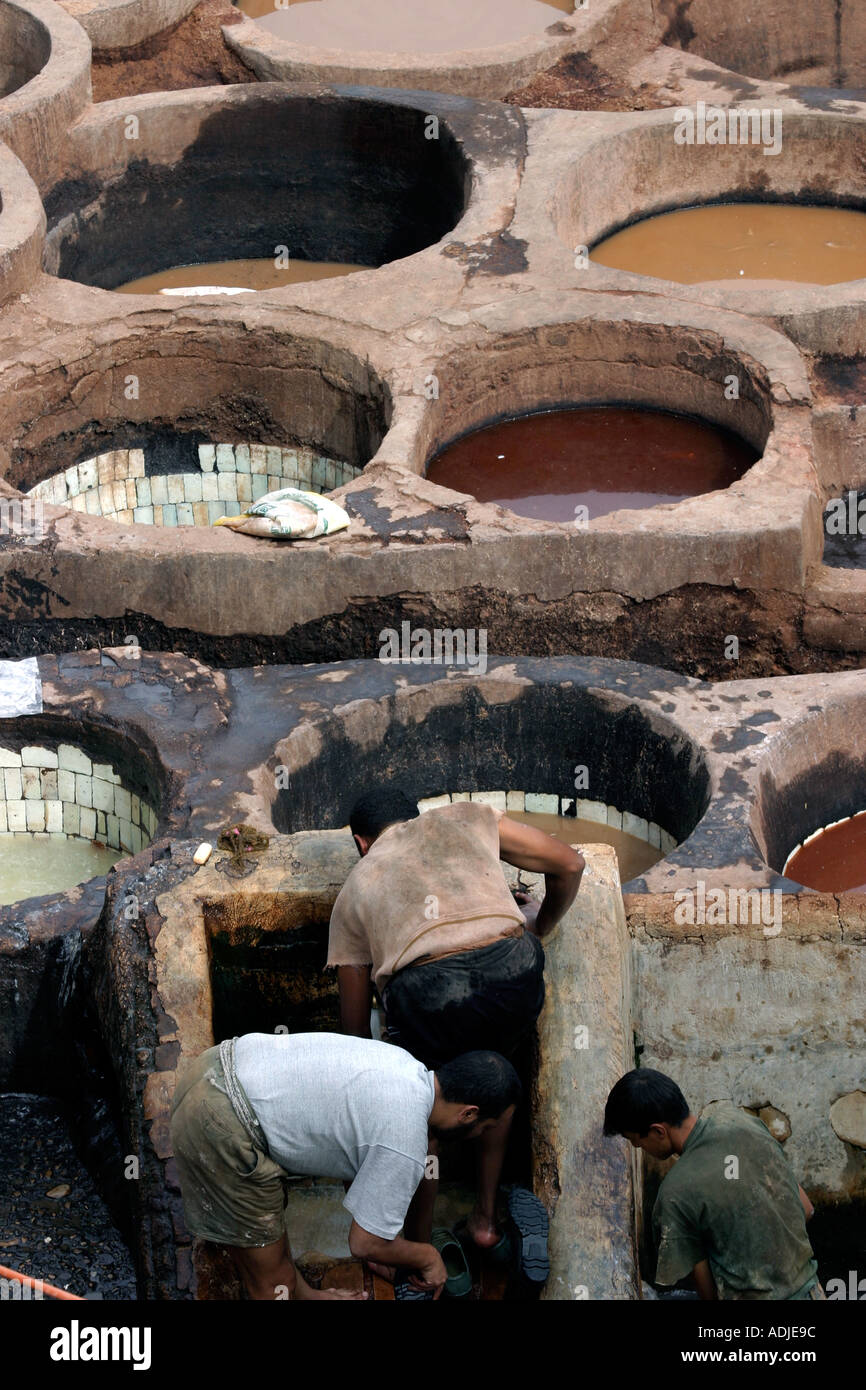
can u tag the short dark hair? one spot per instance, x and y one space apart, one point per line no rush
377 809
642 1098
485 1079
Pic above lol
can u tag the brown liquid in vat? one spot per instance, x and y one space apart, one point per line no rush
405 26
240 274
835 861
633 855
735 241
602 457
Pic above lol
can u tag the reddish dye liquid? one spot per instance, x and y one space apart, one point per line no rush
601 457
835 861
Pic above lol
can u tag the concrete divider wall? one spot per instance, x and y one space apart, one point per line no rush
22 227
585 1045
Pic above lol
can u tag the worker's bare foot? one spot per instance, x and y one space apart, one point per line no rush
483 1231
388 1272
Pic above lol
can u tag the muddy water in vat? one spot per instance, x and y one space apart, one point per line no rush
835 860
405 26
634 856
238 274
733 241
31 867
601 457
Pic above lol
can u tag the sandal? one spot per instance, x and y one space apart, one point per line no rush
459 1281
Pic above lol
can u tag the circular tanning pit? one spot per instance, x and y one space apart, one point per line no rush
215 421
25 46
70 806
833 860
574 464
809 818
771 41
404 26
257 173
545 749
484 50
701 193
751 241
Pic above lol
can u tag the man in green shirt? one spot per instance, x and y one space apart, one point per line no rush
730 1212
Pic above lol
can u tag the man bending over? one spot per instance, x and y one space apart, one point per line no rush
730 1212
255 1109
428 916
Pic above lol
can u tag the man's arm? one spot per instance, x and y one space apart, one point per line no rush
808 1209
704 1281
356 998
528 848
424 1260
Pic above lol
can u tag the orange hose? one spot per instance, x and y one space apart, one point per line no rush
39 1284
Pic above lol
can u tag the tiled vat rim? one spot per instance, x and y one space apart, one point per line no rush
63 792
231 476
548 803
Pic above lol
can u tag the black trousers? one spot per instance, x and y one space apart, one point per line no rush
484 999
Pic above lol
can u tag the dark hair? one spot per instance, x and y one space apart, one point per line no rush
642 1098
485 1079
376 810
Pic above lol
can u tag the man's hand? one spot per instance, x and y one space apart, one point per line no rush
431 1276
527 847
529 906
423 1261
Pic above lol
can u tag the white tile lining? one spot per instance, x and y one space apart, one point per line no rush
549 804
61 791
231 476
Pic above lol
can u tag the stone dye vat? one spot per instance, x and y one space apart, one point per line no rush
768 41
832 860
601 760
574 465
755 192
807 819
152 462
481 50
67 813
404 26
24 48
309 193
755 241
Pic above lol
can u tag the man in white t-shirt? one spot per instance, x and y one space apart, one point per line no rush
256 1109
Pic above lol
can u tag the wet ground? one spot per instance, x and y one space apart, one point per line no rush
67 1239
